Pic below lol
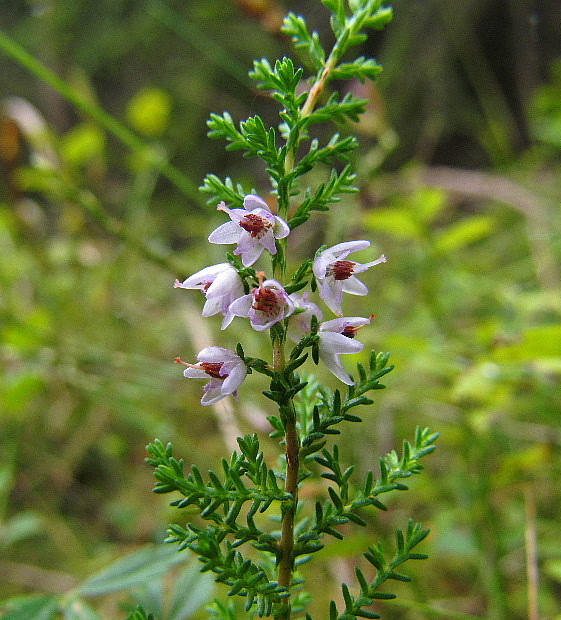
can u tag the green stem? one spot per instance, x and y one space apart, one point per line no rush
111 124
310 103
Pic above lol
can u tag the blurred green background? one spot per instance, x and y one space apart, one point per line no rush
459 166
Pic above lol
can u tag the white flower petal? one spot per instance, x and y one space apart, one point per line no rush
251 202
300 323
360 267
354 286
333 363
332 342
246 243
216 354
273 284
251 253
281 229
228 232
321 264
195 373
236 215
339 325
241 306
226 279
268 240
334 325
213 394
261 327
348 247
234 379
204 276
228 318
331 291
212 307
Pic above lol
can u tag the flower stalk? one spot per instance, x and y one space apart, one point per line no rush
290 309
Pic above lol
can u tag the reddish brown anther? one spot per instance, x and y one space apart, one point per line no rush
255 225
350 331
265 300
341 269
212 369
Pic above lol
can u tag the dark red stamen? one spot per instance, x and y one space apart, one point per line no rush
349 331
213 369
255 225
341 269
265 300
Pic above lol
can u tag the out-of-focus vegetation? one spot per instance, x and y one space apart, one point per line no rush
460 169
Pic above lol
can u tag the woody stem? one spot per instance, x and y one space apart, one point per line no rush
292 451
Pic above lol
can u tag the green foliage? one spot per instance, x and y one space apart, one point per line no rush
286 164
221 502
91 237
234 504
140 614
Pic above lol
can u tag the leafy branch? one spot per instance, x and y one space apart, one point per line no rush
230 493
386 570
243 576
341 508
332 409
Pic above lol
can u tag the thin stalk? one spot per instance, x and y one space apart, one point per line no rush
286 544
292 452
322 79
310 103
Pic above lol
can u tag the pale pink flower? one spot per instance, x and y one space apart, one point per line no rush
300 323
220 283
225 368
266 305
253 228
335 274
336 337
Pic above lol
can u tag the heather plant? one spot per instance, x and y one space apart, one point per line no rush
248 523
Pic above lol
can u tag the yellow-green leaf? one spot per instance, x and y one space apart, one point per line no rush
463 233
537 343
396 222
427 203
83 143
149 111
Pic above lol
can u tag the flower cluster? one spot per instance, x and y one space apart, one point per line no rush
254 229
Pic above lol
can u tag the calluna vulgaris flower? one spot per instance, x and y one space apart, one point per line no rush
266 305
336 337
335 274
220 283
225 368
253 228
